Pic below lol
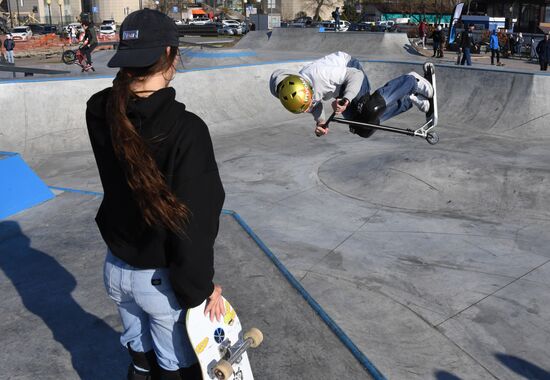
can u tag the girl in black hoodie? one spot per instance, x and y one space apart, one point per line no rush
163 196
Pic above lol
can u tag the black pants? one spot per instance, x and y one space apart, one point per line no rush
493 52
87 51
544 65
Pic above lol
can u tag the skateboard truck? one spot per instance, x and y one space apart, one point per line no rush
231 354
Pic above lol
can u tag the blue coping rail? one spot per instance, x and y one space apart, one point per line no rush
362 358
356 352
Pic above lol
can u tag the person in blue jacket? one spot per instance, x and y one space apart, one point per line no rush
495 48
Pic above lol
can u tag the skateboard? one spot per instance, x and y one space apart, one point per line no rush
425 131
221 347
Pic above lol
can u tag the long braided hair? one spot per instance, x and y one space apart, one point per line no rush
158 204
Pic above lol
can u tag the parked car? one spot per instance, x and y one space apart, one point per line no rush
330 25
361 26
76 25
383 26
200 20
43 28
22 33
230 30
107 31
108 22
231 23
302 22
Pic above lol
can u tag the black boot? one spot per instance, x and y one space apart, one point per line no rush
147 362
189 373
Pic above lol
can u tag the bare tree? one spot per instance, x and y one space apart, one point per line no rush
319 5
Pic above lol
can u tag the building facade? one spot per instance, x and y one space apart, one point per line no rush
39 12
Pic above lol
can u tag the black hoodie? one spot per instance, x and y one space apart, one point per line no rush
181 146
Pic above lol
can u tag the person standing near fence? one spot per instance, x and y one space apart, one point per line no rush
9 45
495 48
436 37
543 51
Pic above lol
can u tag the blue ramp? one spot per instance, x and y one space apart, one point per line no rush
20 187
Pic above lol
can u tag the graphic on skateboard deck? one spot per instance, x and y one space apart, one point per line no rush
221 346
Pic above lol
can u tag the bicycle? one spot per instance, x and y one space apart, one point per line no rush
75 56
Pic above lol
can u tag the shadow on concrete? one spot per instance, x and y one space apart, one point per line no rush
444 375
523 368
411 50
45 288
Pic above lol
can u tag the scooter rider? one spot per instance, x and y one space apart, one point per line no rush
341 77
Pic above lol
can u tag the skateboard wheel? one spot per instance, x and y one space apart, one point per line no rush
432 138
255 335
223 370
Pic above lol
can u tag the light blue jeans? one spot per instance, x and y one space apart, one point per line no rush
150 314
396 95
9 56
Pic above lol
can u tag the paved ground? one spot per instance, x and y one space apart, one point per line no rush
433 259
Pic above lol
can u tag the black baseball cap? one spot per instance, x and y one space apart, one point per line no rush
144 36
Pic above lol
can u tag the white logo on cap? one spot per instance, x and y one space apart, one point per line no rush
130 35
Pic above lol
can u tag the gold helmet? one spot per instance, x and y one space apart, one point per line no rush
295 94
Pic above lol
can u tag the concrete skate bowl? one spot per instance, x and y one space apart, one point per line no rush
491 162
311 41
504 125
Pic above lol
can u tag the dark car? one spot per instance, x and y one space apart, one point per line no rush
43 28
302 22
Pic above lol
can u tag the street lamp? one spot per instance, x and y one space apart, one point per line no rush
60 2
49 2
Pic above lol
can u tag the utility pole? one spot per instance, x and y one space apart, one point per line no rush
11 14
18 16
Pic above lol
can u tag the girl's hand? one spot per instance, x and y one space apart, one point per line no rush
215 306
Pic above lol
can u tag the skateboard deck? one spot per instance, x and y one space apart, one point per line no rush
222 341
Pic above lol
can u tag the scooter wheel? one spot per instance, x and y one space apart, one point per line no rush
432 138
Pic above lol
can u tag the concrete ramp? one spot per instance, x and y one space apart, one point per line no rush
61 324
310 40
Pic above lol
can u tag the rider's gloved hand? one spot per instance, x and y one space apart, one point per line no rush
340 105
321 129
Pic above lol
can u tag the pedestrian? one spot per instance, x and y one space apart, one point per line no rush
442 41
340 78
543 51
519 43
495 48
163 196
73 34
336 17
423 32
466 44
436 37
9 45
